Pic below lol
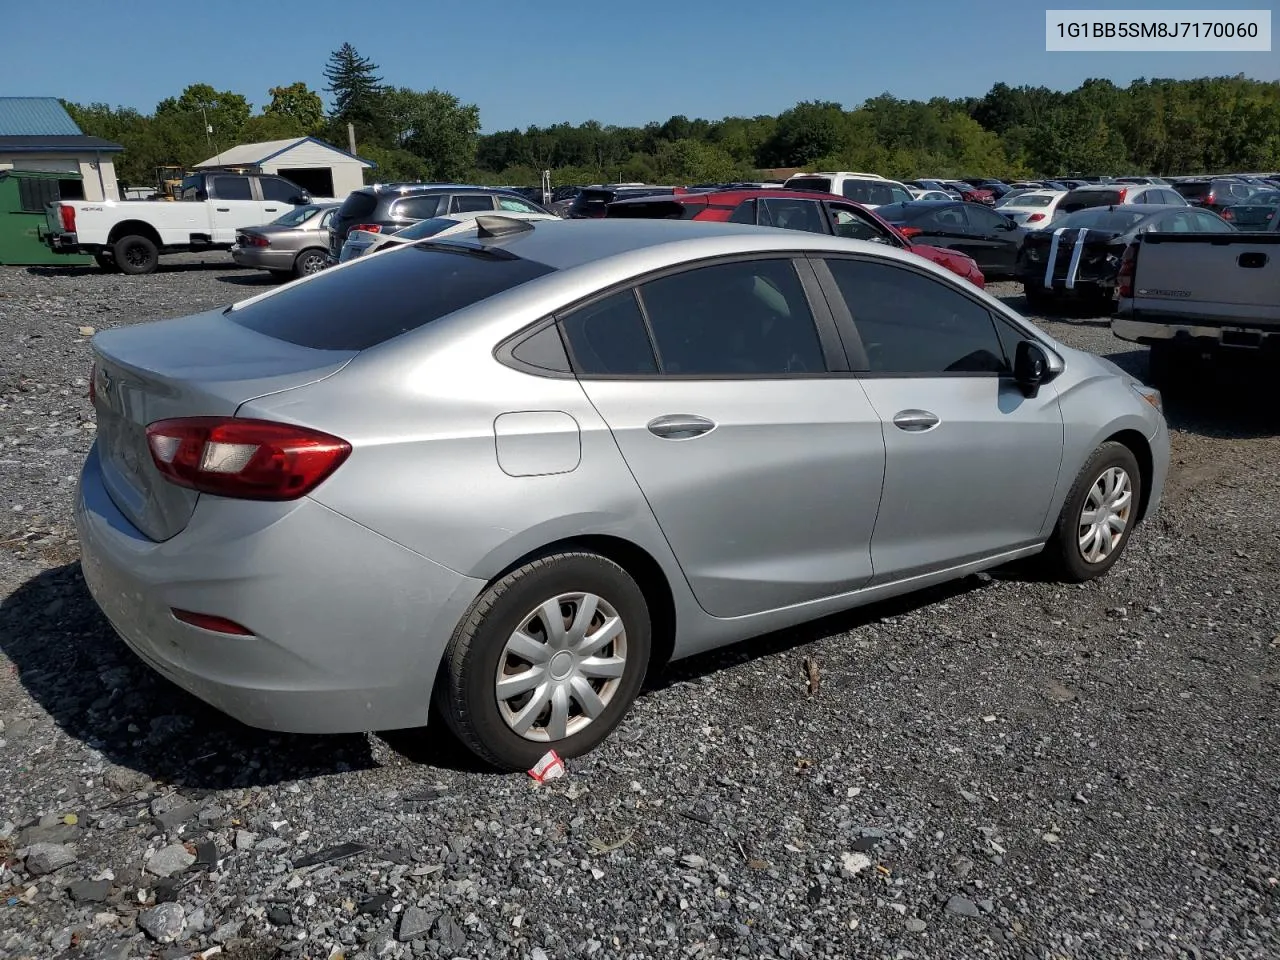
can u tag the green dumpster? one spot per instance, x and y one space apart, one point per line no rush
23 196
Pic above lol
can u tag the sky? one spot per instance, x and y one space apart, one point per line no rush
574 61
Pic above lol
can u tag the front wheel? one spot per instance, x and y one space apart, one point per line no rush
1098 516
550 657
309 262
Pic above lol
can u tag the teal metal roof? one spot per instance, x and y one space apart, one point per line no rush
35 117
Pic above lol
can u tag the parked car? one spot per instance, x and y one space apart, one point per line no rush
917 194
792 210
1190 295
1112 194
1256 213
360 242
391 207
971 194
869 190
513 476
1034 208
131 235
998 188
590 202
973 229
936 185
1079 254
1153 181
293 245
1214 193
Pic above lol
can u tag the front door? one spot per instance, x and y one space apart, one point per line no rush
971 464
232 208
762 468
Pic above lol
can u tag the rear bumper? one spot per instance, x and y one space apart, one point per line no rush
63 242
263 258
349 627
1192 334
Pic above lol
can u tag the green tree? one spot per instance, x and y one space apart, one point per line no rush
435 127
299 104
807 131
357 92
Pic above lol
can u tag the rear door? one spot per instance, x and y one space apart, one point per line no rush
233 207
761 458
995 245
970 463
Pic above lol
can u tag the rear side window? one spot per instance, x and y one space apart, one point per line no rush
791 214
470 203
874 192
361 306
608 338
733 319
357 205
420 208
232 188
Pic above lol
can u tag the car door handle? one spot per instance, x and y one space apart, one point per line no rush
271 209
224 209
680 426
916 421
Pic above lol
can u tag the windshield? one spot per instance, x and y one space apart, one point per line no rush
297 216
425 228
1095 219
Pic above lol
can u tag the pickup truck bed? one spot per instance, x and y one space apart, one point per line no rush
1201 291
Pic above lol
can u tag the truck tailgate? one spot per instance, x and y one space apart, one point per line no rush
1229 278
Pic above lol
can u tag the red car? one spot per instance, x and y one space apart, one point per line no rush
793 210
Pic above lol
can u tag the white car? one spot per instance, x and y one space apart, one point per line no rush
869 189
360 242
919 194
1034 209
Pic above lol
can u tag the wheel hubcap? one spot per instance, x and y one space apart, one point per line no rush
312 265
561 667
1105 515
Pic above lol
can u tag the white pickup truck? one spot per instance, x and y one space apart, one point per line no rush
130 235
1189 295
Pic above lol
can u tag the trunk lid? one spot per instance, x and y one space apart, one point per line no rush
203 365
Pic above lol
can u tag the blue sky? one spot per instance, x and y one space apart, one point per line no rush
576 61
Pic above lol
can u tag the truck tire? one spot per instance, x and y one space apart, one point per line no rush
105 261
135 255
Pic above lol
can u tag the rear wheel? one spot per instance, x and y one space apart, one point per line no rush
135 255
550 657
1098 516
106 262
309 262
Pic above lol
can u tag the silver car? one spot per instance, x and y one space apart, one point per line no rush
294 245
360 242
514 472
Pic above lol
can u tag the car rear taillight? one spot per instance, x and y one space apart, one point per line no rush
1035 218
67 214
1123 192
1227 214
244 459
368 227
910 232
254 240
1124 276
207 621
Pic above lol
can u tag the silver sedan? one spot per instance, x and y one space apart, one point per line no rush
294 245
513 472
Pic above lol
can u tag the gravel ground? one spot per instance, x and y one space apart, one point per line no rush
1002 768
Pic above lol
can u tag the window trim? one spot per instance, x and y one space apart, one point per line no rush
829 341
504 350
853 340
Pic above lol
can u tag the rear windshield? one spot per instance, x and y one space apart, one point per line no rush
374 300
1088 198
1117 220
1193 189
816 184
651 210
1032 200
357 204
425 228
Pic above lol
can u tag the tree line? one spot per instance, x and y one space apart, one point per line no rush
1161 127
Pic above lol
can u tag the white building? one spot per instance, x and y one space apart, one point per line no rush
37 134
319 168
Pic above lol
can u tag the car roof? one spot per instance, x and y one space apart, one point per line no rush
702 197
838 173
565 244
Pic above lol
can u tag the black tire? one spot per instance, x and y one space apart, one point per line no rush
314 259
106 262
1062 554
465 693
135 255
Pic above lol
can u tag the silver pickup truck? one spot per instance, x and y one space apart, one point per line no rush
1195 294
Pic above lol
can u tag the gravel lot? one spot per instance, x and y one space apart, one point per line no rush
1003 768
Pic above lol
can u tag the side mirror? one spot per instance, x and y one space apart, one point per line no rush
301 199
1030 367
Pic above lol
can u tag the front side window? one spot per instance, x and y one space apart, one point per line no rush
278 190
911 324
849 224
1207 223
232 188
517 205
745 319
